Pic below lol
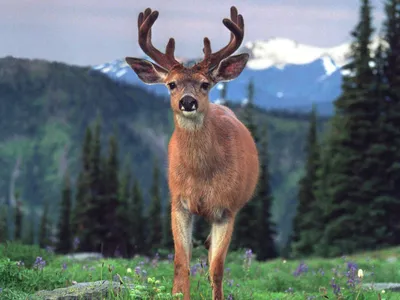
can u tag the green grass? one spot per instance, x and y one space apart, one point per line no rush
243 280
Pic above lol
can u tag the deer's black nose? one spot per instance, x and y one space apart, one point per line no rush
188 103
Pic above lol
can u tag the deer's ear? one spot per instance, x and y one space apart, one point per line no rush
148 72
230 68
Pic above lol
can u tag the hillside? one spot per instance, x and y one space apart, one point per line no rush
46 106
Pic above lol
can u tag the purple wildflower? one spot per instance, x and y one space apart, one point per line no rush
335 287
194 269
230 297
230 282
50 249
138 270
302 268
76 243
170 257
248 257
39 263
64 266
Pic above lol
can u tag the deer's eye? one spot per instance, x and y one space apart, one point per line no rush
172 85
205 85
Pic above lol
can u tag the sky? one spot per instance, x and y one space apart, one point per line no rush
89 32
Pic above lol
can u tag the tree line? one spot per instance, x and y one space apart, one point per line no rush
105 211
349 197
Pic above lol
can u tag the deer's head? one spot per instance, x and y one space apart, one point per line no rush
189 86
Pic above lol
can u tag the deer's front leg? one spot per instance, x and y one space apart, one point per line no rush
182 226
221 233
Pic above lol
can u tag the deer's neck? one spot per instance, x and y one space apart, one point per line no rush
197 144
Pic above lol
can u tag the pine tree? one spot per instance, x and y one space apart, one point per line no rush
64 239
80 219
168 242
18 218
154 213
306 229
95 209
123 213
351 219
3 223
246 231
266 227
137 224
391 118
29 227
110 228
44 232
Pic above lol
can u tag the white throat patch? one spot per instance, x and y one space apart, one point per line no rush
192 120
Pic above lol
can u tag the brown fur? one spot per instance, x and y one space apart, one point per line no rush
213 172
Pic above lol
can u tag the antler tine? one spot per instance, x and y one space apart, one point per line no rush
145 22
236 27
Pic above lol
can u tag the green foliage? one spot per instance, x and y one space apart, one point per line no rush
154 215
18 252
168 242
246 227
266 248
352 209
243 278
307 226
44 229
137 225
29 227
3 223
18 218
64 238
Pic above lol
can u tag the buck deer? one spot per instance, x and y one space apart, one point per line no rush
212 157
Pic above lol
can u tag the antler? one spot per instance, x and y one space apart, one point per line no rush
145 22
236 26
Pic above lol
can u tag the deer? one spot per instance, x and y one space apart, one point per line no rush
213 163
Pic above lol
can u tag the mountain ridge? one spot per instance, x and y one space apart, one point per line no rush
287 75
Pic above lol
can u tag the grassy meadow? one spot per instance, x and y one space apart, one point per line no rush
24 270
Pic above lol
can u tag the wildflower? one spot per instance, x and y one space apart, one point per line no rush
230 282
138 270
129 270
50 249
39 263
64 266
302 268
383 291
289 290
335 287
193 269
284 261
20 263
230 297
170 257
76 243
360 273
248 257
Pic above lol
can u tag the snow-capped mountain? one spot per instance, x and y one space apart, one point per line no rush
286 74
